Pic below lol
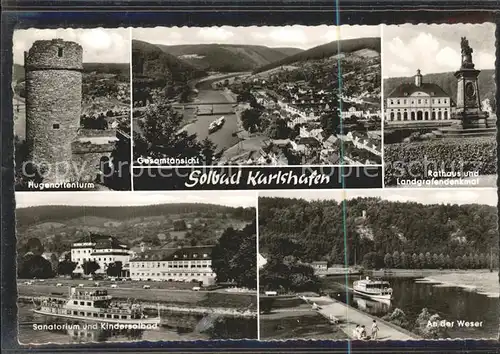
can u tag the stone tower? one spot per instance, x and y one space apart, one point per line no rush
53 105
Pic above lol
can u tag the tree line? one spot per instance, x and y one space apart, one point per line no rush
375 228
401 260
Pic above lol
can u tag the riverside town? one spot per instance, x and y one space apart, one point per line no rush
233 102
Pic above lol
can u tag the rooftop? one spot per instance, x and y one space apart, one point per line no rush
102 242
407 89
170 254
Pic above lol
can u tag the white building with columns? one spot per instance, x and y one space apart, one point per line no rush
417 102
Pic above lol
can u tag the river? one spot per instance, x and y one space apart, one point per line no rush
451 303
225 137
175 327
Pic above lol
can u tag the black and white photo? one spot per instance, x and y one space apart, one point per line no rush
71 101
265 96
136 266
379 264
439 105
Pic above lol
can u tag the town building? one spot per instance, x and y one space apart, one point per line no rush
102 249
187 264
418 102
319 266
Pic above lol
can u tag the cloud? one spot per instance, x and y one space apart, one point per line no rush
332 35
97 39
484 60
398 49
448 58
215 34
425 43
400 70
434 48
100 45
288 35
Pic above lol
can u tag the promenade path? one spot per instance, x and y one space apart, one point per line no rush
349 317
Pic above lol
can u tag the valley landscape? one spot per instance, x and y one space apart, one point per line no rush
438 260
238 104
134 252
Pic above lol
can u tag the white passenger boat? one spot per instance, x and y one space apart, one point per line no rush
216 124
95 305
375 289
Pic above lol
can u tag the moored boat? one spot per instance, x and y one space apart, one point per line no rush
375 289
95 305
216 124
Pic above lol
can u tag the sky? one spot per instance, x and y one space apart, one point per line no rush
303 37
137 198
486 196
435 48
100 45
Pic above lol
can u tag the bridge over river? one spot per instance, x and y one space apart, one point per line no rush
208 108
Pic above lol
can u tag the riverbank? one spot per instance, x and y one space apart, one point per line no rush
152 308
482 282
170 297
349 317
298 322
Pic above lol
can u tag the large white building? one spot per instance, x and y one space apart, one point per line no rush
417 102
101 249
188 264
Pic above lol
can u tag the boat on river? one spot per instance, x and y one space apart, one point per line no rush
216 124
375 289
95 305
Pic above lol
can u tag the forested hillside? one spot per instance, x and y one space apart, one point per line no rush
313 231
227 57
326 50
166 225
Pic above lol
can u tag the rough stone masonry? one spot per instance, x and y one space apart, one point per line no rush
53 108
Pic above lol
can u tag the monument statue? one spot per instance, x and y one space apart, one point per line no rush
470 118
466 54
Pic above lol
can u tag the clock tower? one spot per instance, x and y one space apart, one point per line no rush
468 109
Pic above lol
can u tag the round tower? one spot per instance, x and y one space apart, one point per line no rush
53 105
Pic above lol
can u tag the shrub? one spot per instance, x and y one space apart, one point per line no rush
411 160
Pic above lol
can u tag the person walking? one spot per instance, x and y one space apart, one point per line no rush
374 329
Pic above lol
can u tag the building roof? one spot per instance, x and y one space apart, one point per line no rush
308 141
103 242
176 254
408 89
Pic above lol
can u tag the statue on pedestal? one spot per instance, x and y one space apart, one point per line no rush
470 118
466 54
468 110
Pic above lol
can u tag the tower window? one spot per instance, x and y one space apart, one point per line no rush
59 52
55 126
